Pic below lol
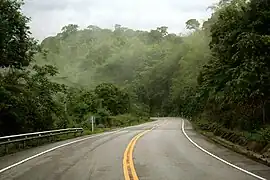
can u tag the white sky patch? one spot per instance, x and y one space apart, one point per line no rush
49 16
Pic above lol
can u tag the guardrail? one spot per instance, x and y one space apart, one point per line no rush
5 140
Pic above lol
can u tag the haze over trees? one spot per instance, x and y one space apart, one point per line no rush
218 73
30 100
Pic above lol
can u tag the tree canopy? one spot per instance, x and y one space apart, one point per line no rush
192 24
219 71
16 45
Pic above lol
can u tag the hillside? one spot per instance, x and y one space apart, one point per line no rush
89 56
217 74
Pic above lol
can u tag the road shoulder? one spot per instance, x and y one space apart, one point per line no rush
227 154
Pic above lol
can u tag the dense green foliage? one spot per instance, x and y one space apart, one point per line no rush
29 99
218 72
14 35
234 85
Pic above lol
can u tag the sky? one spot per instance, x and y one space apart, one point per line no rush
49 16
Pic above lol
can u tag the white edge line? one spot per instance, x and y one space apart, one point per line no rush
218 158
52 149
62 145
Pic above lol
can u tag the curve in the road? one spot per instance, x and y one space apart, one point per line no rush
216 157
128 164
54 148
161 154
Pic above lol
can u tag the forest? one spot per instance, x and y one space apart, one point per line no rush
217 74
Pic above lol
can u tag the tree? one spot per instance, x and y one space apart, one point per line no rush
163 30
16 45
192 24
117 27
237 77
93 28
111 98
68 30
27 101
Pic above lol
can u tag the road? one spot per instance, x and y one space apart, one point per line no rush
157 150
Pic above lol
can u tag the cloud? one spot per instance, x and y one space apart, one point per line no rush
48 17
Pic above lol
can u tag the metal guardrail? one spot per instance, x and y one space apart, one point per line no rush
5 140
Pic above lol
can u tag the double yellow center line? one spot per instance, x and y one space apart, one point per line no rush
128 164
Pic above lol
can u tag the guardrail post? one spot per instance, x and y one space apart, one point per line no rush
6 148
24 143
18 145
38 141
51 137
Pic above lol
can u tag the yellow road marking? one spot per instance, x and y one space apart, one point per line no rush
128 164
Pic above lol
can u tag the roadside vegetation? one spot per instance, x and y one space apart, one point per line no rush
217 74
31 100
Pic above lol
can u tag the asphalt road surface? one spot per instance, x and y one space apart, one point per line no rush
158 150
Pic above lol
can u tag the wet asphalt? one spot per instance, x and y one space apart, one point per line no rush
162 154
